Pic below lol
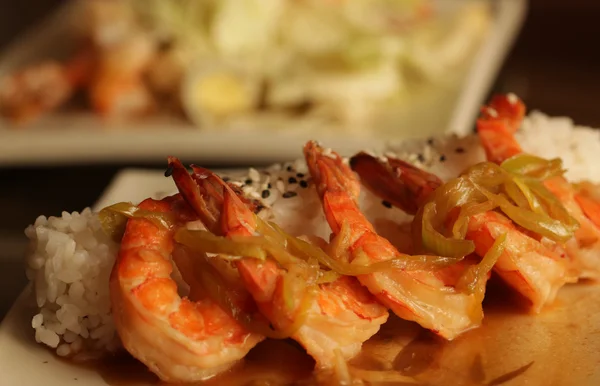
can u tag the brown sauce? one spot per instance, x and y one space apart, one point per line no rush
561 346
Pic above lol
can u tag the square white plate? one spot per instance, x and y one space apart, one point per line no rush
563 342
76 138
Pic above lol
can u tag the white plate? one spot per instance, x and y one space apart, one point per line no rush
563 342
67 139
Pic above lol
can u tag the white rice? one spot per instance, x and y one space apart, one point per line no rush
71 258
69 264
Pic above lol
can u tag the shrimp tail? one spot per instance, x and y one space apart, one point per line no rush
191 192
497 125
381 178
330 171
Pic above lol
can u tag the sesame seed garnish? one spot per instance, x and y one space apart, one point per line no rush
269 185
427 154
420 157
226 179
254 174
290 168
265 193
254 194
387 204
248 181
300 175
303 184
289 194
292 180
280 186
169 171
493 113
459 150
430 141
442 158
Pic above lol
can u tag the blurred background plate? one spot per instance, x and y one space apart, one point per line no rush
69 137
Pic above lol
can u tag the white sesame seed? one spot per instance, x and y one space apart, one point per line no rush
512 98
382 159
280 186
254 194
390 154
492 112
427 153
254 174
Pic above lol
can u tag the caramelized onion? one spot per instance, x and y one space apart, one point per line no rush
516 188
473 281
114 218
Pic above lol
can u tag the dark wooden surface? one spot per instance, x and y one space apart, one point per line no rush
553 67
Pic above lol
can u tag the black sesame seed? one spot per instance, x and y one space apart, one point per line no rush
300 175
45 362
258 208
289 194
420 157
265 193
386 204
269 186
303 184
169 171
292 180
442 158
459 150
226 179
430 141
248 181
290 168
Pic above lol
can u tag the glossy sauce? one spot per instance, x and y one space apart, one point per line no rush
561 346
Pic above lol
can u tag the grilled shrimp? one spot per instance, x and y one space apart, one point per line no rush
496 128
179 339
424 296
35 90
117 88
534 269
340 316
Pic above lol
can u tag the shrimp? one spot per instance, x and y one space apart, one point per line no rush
534 269
179 339
35 90
496 128
118 89
342 315
422 296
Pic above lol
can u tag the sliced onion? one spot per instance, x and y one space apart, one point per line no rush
217 290
114 218
541 224
205 242
405 262
439 244
473 280
533 166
